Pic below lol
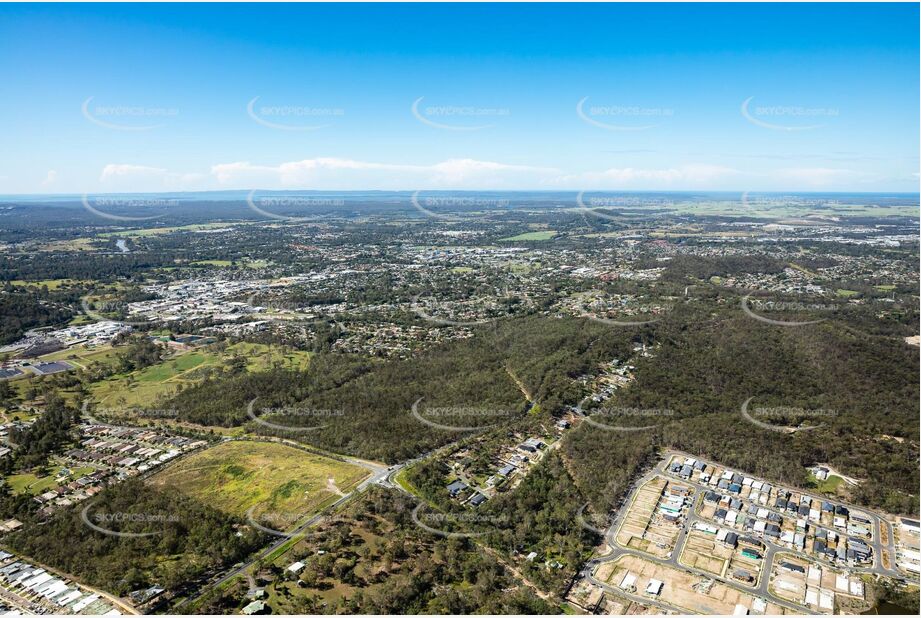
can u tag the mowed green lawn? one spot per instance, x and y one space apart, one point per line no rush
828 486
545 235
144 387
81 357
20 483
282 483
84 356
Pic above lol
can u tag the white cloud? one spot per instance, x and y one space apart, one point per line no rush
684 176
460 170
345 174
329 173
818 176
50 178
143 178
334 174
114 171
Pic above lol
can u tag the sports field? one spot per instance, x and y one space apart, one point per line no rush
281 484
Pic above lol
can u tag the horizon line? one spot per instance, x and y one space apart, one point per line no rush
410 191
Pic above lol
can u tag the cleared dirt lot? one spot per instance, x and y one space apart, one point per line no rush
645 529
636 520
820 588
702 551
691 592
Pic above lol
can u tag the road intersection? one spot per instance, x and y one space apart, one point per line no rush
379 474
771 549
386 476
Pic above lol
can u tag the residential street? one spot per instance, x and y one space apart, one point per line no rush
771 548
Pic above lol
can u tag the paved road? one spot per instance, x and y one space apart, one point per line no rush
762 589
386 477
876 569
890 536
633 597
269 549
379 474
770 552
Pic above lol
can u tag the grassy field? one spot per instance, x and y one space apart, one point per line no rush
77 244
211 263
80 356
828 486
268 477
84 356
144 387
520 268
153 231
51 284
245 262
17 415
846 293
544 235
22 483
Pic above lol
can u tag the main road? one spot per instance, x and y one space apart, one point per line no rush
378 474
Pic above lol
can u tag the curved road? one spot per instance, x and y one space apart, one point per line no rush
877 522
771 549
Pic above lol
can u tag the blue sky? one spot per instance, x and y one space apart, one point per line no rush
784 97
